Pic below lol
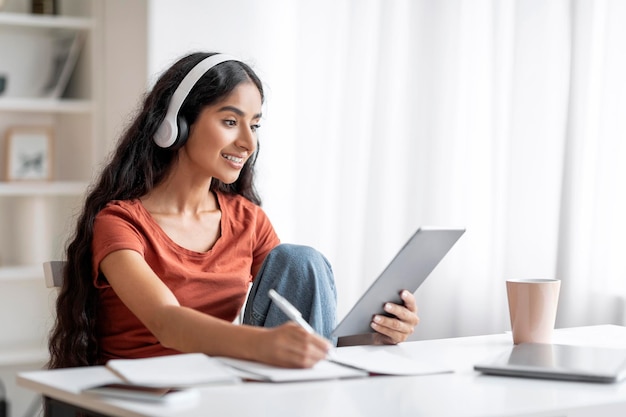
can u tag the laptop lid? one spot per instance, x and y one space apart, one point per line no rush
408 269
554 361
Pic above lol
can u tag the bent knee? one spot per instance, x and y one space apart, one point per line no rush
290 251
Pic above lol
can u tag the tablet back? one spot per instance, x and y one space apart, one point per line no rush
555 361
408 269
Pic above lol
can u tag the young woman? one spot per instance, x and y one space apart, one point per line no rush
172 234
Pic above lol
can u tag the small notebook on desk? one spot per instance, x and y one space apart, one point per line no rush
164 379
143 393
553 361
173 371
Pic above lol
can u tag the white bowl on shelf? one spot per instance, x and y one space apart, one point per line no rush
27 63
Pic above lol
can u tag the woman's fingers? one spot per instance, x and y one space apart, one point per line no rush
398 328
294 347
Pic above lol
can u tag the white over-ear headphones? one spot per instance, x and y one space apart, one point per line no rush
170 131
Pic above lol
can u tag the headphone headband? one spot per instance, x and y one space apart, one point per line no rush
167 133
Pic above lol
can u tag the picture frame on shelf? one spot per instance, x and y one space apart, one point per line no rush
29 154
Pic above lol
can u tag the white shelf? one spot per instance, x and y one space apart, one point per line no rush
53 188
22 355
48 105
46 21
21 273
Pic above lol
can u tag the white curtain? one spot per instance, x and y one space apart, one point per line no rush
504 117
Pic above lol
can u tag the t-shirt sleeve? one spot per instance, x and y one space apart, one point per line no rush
113 231
266 240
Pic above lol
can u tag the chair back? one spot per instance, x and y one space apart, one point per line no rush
53 273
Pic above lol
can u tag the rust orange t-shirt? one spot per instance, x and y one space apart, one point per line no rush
214 282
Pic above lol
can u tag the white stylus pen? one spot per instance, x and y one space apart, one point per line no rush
291 312
295 315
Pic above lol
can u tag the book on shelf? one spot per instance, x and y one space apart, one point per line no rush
66 50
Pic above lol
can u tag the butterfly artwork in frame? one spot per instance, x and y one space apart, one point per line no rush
29 154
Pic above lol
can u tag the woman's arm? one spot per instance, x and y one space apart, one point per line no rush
187 330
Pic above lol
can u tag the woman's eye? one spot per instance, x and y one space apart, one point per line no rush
255 127
230 123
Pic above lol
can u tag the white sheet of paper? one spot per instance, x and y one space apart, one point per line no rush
384 360
322 370
183 370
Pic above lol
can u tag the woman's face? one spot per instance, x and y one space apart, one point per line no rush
224 135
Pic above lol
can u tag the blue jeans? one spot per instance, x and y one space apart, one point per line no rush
305 278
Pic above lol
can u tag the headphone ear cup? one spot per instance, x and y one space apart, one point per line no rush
183 133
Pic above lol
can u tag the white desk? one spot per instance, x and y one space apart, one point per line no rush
462 393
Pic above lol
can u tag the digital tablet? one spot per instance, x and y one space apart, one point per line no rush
408 270
554 361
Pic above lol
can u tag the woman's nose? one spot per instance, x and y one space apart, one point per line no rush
247 140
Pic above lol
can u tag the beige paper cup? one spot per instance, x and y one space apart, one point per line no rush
532 308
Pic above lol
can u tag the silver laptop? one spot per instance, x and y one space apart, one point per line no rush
554 361
408 269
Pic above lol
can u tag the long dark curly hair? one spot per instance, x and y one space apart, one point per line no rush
134 169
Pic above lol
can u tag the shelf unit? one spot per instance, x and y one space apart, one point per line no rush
56 188
18 273
20 355
72 120
25 105
36 216
47 22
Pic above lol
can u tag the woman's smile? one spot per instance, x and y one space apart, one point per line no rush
234 160
224 135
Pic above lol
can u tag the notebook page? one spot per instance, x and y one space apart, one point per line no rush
180 370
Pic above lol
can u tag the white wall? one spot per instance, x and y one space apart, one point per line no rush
124 62
247 30
384 115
